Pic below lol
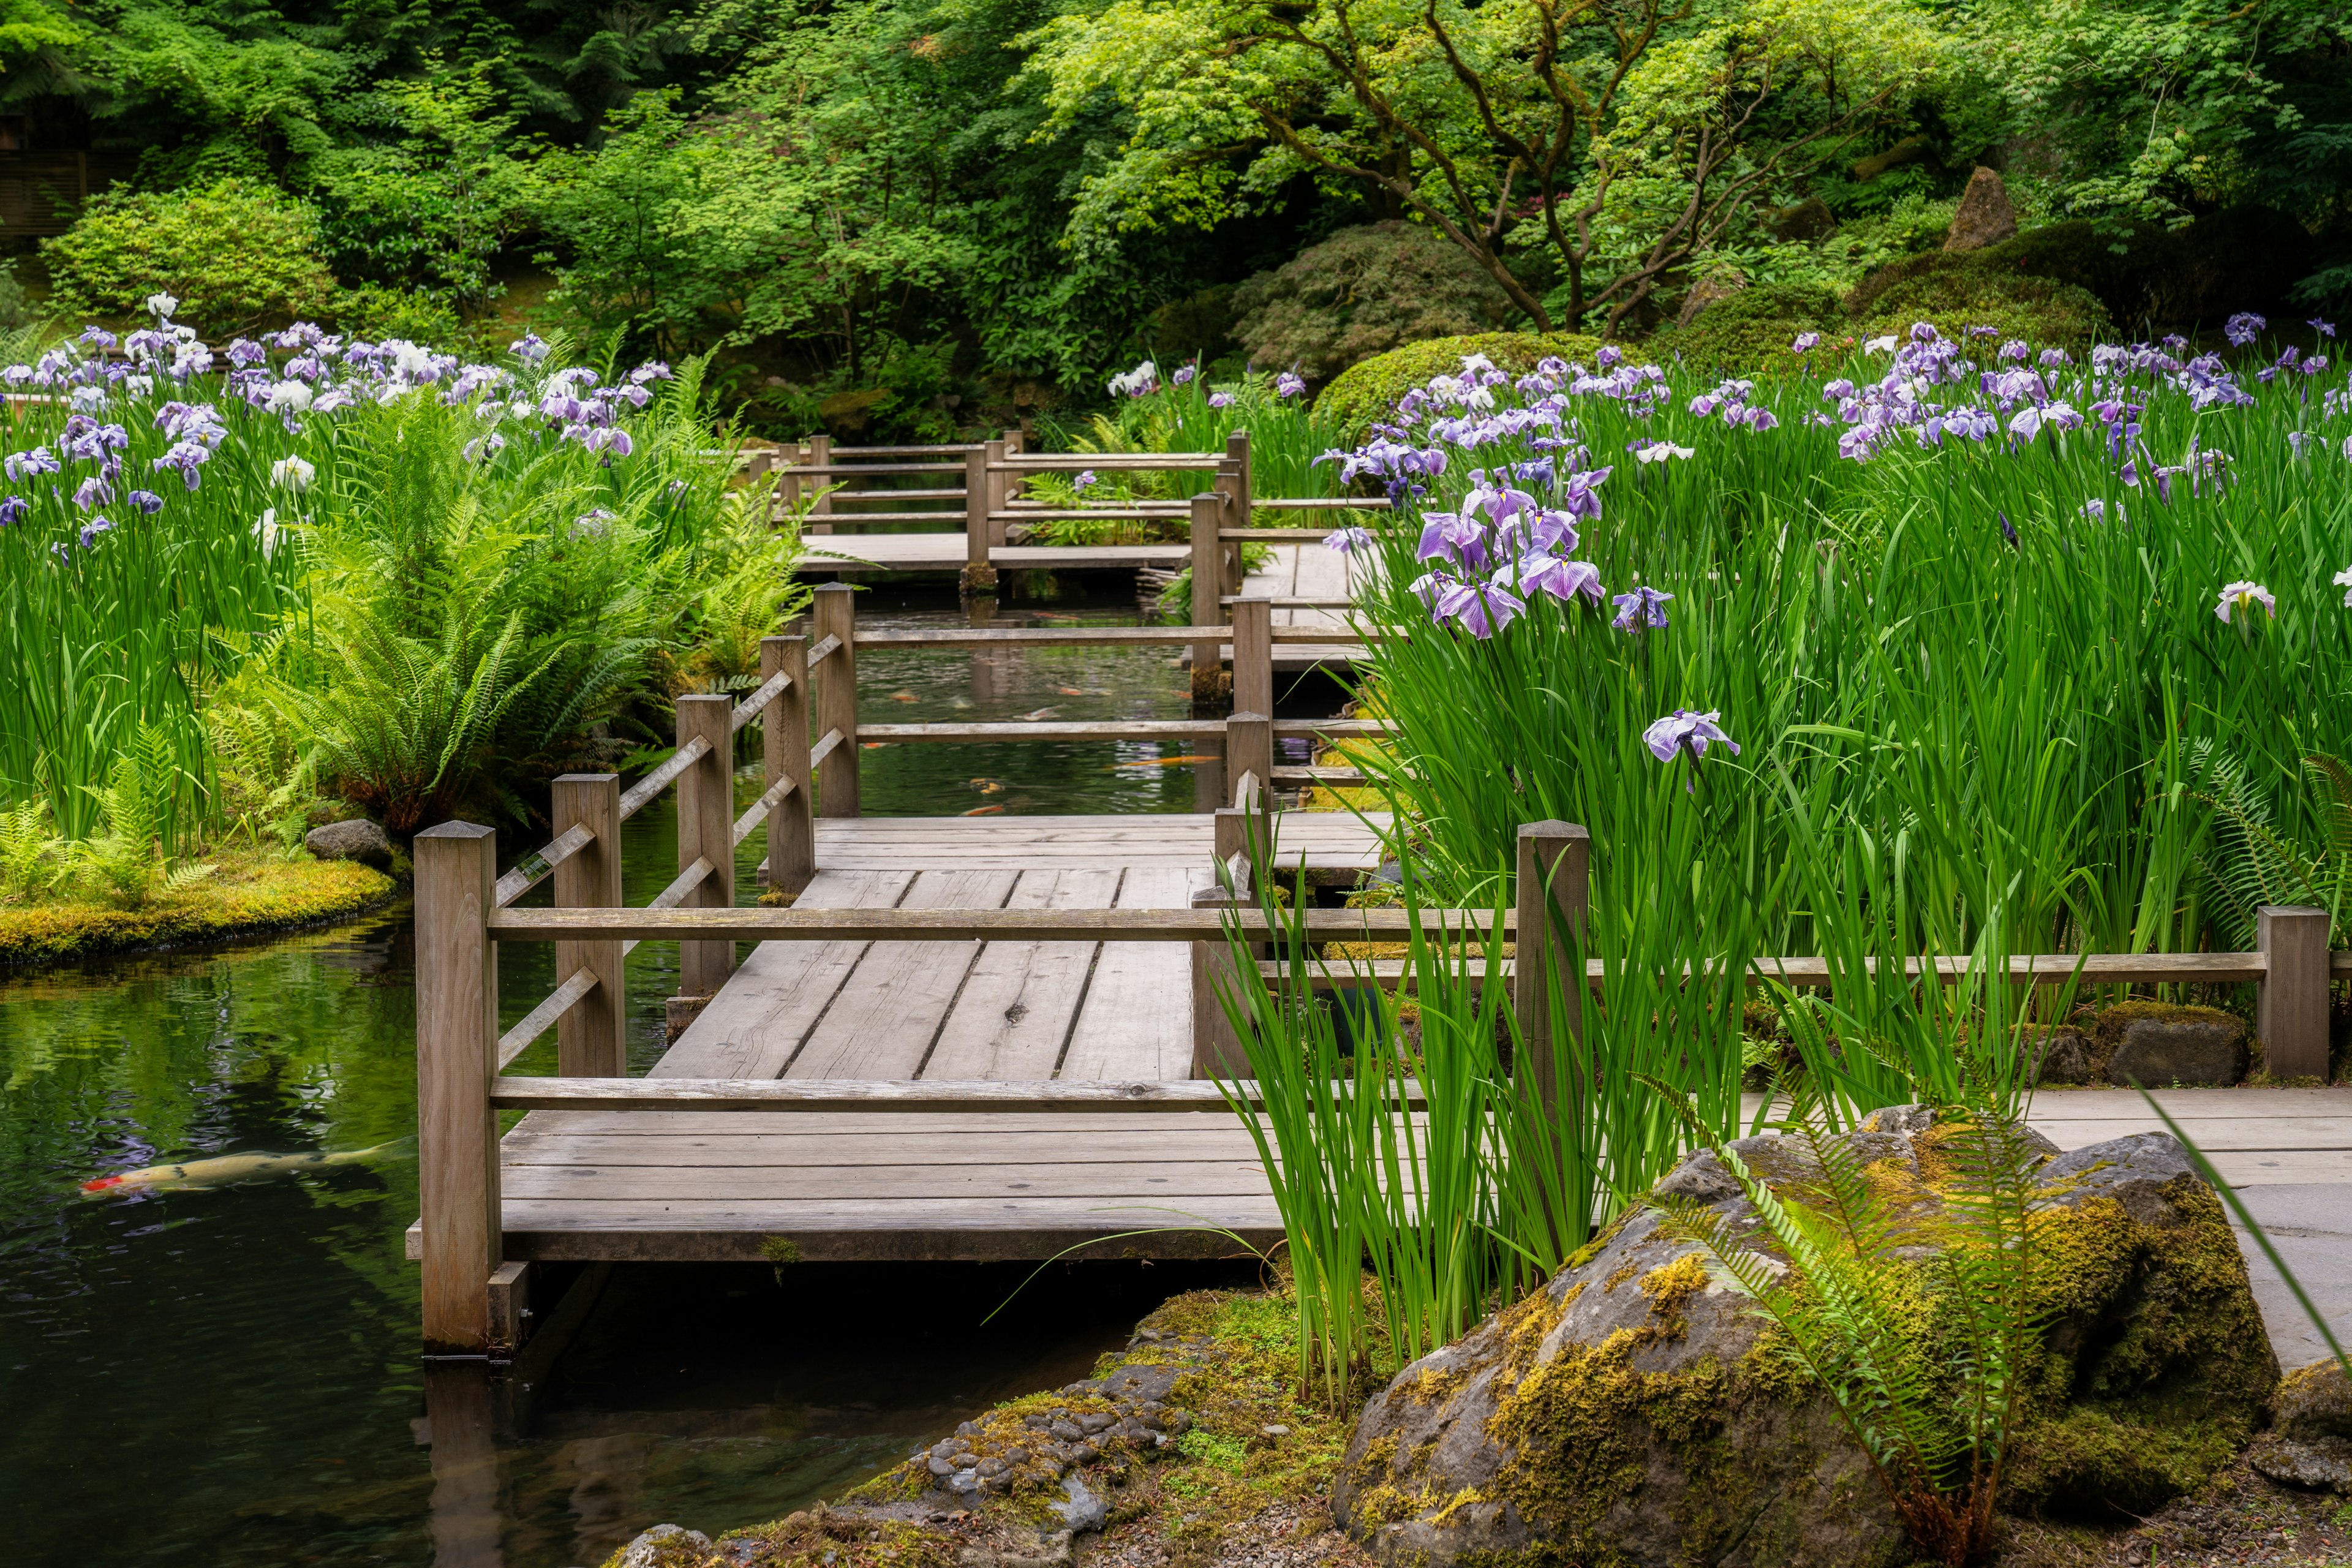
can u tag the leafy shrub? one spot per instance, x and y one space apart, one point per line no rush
234 255
1366 392
2040 310
1750 332
1361 292
375 313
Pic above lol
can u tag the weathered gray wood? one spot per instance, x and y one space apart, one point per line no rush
753 1027
820 512
2290 1013
1104 729
1075 462
1254 657
835 616
1208 585
979 576
1021 998
706 831
756 812
536 867
1276 535
945 925
1218 1051
1249 748
511 1310
1235 1176
734 1151
839 1094
559 1002
772 685
591 1036
882 1024
643 792
1137 1020
1042 636
784 755
456 1034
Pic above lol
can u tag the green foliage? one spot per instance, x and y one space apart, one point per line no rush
233 254
1926 1366
2015 305
1750 332
2250 863
125 865
1367 391
25 846
1361 292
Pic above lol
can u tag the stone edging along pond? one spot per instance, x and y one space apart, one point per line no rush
248 896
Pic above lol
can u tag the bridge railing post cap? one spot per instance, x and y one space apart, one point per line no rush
456 829
1553 829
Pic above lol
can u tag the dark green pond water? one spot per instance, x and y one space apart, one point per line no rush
230 1376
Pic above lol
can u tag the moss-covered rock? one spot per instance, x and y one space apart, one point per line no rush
1751 332
2162 1045
1367 391
1633 1412
247 895
2014 305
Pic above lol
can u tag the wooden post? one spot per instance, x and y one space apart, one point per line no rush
457 1056
510 1307
464 1509
1249 752
1554 862
706 831
1002 488
979 495
2291 1014
820 455
836 699
783 754
590 1041
1253 658
1242 484
1207 575
1217 1049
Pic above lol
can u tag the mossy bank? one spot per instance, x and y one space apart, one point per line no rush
247 895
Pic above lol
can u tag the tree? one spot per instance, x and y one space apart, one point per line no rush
1531 134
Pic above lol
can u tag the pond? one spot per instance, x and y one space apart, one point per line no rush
231 1377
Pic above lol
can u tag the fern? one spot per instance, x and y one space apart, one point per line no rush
1925 1363
2253 863
26 847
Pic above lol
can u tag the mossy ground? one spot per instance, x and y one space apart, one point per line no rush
1366 392
251 892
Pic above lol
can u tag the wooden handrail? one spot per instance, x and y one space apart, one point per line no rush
541 1018
658 923
805 470
758 811
824 650
1077 462
661 777
751 706
541 864
1814 973
845 1094
1048 730
824 748
666 903
1313 503
1100 513
1047 636
1276 535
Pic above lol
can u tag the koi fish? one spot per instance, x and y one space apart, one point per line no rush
983 811
988 786
1083 691
1040 715
1161 763
871 745
960 703
229 1168
903 697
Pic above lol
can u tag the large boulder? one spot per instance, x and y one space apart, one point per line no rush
358 839
2164 1047
1985 217
2312 1443
1632 1413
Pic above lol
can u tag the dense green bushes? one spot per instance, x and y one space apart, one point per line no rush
1361 292
1750 332
1365 391
234 255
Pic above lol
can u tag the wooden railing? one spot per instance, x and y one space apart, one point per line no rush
463 1087
985 502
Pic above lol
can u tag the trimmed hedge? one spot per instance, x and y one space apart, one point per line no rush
2041 311
245 896
1366 392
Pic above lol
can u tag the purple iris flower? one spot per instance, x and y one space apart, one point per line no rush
147 502
1289 384
1561 578
1221 400
91 493
24 465
13 511
2324 328
2243 328
1806 342
1685 732
1643 609
2007 528
95 526
1482 609
1348 540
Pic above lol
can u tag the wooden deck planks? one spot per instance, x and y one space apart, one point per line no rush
757 1020
1021 998
883 1022
1138 1019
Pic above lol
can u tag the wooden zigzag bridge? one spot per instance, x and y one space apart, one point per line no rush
985 1038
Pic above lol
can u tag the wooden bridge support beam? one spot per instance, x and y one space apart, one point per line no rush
591 1037
783 754
2291 1013
1208 579
457 1057
979 499
706 831
835 616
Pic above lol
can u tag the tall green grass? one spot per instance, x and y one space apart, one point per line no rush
268 614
